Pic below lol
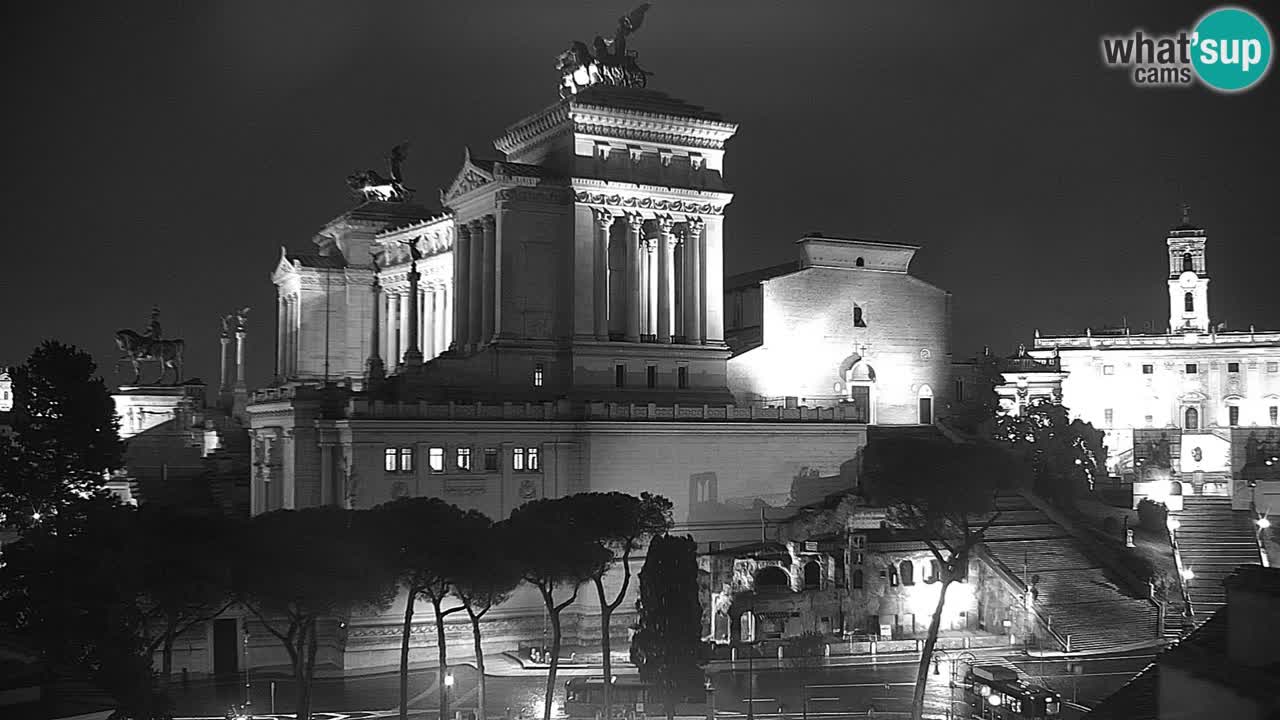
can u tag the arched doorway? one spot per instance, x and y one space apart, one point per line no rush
924 400
1191 419
861 381
812 575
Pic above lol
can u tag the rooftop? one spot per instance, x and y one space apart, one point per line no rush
644 100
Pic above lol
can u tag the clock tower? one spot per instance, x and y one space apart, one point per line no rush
1188 277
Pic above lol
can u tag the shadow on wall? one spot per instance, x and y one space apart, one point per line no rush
808 487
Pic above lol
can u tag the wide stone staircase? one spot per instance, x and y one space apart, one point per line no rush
1213 540
1074 593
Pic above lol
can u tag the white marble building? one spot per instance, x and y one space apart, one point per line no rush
1198 391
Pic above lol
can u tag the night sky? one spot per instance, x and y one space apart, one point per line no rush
161 153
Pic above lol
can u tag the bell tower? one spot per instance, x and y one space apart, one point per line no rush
1188 277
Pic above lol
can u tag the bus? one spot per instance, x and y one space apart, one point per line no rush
994 691
584 699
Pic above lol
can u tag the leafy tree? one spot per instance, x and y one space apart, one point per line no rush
946 493
185 574
427 537
65 436
1067 456
299 566
620 523
667 647
553 548
487 577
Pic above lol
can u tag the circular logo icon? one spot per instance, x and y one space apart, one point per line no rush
1231 49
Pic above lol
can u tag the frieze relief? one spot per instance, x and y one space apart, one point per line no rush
464 487
552 196
648 203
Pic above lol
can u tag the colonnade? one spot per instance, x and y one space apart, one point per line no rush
475 263
434 317
662 285
289 323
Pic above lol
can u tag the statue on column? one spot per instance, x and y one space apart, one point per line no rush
150 346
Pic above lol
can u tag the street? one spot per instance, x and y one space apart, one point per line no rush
775 689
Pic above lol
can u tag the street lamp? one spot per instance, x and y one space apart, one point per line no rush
711 698
448 685
1187 575
1173 524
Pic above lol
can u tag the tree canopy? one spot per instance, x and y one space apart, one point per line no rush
667 647
1066 456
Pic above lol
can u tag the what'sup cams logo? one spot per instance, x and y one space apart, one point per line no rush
1228 51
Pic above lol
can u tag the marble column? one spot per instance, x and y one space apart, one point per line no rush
462 282
413 318
604 221
375 370
489 279
428 323
240 386
693 281
402 323
446 316
666 279
393 327
294 324
281 328
224 339
635 224
475 287
651 286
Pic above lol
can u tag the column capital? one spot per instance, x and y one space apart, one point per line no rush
635 221
665 224
604 218
695 223
488 222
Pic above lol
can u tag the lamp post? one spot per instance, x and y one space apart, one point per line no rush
248 700
1263 522
711 699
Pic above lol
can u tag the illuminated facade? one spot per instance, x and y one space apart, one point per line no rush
1194 405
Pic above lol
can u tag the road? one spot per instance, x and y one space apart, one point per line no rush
777 691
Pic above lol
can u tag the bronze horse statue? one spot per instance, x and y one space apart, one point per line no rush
137 349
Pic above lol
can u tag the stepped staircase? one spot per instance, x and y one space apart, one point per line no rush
1073 592
1213 540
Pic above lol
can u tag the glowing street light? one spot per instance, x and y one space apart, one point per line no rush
1173 524
1187 574
1263 522
448 680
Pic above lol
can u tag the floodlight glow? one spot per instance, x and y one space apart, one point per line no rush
1263 523
448 680
1173 524
1187 574
994 700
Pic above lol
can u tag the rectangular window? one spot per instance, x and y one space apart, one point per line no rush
406 459
1233 415
619 375
651 376
1108 369
464 459
389 459
1192 369
435 459
537 375
1148 369
682 377
1273 412
1273 367
531 456
1233 367
1108 416
959 390
490 459
517 459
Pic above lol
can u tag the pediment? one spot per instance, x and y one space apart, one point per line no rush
472 175
1192 397
284 266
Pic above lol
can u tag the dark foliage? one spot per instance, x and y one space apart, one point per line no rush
667 647
1152 515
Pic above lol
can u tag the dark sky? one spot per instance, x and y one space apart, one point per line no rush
161 153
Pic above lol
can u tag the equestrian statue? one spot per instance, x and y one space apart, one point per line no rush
150 346
371 185
606 62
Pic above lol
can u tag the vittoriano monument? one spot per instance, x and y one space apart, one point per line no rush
370 185
606 62
150 346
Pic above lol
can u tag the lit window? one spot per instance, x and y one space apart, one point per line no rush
1192 369
620 375
531 455
1233 415
435 457
1108 369
682 377
406 459
1274 413
389 460
1233 367
893 578
490 459
517 459
537 375
464 459
1108 416
651 376
1148 369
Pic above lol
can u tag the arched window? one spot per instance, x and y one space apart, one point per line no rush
859 262
907 571
858 320
857 579
771 577
1175 487
1189 302
934 572
812 574
1188 264
1192 417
